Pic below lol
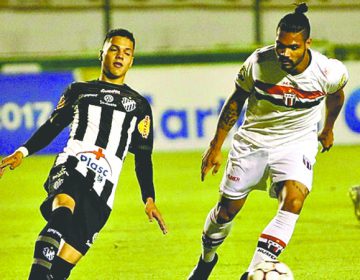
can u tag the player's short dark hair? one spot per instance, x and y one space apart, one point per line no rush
296 21
120 32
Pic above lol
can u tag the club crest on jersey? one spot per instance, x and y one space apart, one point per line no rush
289 99
144 127
128 103
49 253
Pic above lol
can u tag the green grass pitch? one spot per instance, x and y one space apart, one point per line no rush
325 244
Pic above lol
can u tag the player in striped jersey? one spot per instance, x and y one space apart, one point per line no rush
107 119
286 85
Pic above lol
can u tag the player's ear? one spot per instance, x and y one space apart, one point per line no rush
100 55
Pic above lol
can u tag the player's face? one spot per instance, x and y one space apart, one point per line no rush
116 58
292 51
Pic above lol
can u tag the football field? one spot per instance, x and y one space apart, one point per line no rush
325 245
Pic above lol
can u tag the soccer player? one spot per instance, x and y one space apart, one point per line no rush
286 85
108 119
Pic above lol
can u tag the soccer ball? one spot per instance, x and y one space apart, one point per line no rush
271 270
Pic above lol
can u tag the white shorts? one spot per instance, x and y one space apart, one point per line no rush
248 166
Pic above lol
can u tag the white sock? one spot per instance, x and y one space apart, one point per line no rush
275 237
213 235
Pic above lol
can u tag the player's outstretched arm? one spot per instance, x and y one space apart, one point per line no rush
334 103
229 115
12 161
153 213
144 174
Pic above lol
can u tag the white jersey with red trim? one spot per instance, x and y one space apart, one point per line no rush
284 107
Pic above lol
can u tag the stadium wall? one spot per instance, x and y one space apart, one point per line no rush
185 99
41 32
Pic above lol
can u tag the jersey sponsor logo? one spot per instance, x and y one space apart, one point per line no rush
58 183
265 252
108 98
54 231
60 173
233 178
110 91
89 95
144 127
49 253
58 178
128 103
61 103
96 161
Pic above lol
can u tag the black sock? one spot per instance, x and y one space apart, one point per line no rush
60 269
47 244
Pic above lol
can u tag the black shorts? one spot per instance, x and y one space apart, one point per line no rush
90 213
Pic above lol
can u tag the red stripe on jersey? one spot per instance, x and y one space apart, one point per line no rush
281 90
272 238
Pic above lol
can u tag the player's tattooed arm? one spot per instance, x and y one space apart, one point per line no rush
230 112
232 109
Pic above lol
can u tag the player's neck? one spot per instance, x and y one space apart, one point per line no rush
115 81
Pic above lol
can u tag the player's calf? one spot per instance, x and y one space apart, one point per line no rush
48 242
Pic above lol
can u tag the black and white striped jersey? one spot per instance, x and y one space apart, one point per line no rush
107 121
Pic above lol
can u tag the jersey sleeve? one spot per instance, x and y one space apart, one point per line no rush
244 78
143 136
337 76
64 111
59 119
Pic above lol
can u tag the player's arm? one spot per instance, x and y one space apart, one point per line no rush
144 174
228 117
59 119
40 139
333 105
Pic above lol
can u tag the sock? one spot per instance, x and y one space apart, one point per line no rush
60 269
275 237
48 241
214 235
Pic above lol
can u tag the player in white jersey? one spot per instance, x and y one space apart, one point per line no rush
286 86
107 119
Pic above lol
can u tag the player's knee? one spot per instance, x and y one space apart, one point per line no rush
225 215
293 205
64 200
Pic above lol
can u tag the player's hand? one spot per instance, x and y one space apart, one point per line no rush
212 158
13 161
153 213
326 138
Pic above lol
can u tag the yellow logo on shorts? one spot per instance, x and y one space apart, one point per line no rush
144 127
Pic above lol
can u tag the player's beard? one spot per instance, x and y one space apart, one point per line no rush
290 67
